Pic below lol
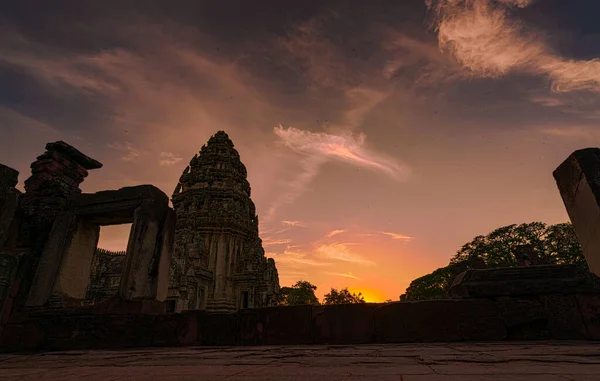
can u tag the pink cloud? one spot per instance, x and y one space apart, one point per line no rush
490 43
399 236
333 233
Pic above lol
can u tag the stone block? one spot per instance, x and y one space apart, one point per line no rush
177 329
524 318
113 207
219 328
142 250
285 325
97 331
115 305
438 320
163 264
73 276
564 318
524 281
249 327
578 180
9 204
344 324
50 260
24 336
9 177
589 306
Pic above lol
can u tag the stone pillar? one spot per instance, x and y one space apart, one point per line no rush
49 263
166 253
9 203
74 275
141 249
578 180
221 268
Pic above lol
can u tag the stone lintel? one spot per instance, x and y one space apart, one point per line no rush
73 154
115 207
124 195
578 180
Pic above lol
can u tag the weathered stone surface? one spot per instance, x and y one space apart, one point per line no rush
250 328
438 320
9 204
112 207
524 281
344 324
55 176
49 263
524 318
218 259
549 361
9 264
76 261
118 305
564 318
589 306
578 180
97 331
218 328
179 329
285 325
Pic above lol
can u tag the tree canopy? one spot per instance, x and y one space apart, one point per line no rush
554 244
302 292
342 296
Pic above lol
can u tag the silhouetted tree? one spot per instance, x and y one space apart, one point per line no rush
554 244
302 292
342 296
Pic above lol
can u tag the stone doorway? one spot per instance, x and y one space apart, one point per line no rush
108 263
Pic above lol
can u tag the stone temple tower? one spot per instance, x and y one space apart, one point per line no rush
218 259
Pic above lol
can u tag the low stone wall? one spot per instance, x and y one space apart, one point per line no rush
545 317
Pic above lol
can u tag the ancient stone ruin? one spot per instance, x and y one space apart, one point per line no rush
219 262
205 256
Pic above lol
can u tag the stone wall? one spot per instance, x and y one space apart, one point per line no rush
552 316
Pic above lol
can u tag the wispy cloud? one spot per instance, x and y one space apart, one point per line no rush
344 147
333 233
130 152
294 223
345 275
272 242
583 133
169 158
402 237
295 258
490 43
342 252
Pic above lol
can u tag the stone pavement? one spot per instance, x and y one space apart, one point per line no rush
530 361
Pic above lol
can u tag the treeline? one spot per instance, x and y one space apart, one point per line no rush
553 244
303 293
100 251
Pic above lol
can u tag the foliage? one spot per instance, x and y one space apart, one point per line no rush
430 286
302 292
554 244
343 296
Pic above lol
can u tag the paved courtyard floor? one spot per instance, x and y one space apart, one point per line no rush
529 361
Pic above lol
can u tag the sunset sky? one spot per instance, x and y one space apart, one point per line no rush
379 136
